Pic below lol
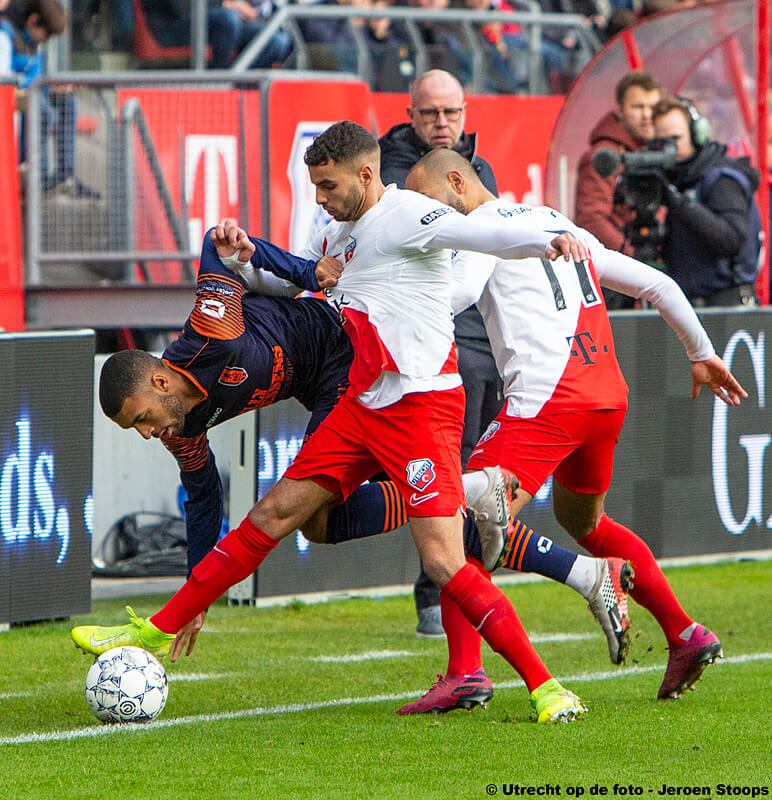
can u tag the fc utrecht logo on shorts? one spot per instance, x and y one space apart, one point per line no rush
420 473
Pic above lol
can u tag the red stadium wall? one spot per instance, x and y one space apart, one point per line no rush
210 145
11 273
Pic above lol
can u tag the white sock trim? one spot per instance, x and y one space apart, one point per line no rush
583 575
475 486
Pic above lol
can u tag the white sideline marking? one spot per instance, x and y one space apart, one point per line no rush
106 730
371 655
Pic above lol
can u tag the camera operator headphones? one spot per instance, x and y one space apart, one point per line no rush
699 126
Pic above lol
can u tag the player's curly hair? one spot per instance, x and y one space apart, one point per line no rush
342 142
122 374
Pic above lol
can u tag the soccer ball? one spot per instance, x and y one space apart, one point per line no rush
126 684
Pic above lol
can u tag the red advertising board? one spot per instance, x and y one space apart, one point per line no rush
513 135
298 111
210 169
11 275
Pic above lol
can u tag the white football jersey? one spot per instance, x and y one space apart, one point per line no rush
547 322
394 296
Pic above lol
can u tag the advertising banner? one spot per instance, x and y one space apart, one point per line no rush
45 475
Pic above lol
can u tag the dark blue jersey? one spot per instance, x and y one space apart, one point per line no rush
244 351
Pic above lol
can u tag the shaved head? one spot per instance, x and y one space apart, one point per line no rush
438 163
448 177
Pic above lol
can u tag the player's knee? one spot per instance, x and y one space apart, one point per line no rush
438 568
274 514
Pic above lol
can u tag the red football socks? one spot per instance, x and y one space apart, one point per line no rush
489 611
651 590
233 558
464 642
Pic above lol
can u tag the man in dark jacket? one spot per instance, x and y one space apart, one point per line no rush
599 208
708 228
437 114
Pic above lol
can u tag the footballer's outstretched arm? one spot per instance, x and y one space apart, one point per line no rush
536 232
203 515
634 278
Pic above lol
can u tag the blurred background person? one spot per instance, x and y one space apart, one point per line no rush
600 207
711 245
231 24
25 27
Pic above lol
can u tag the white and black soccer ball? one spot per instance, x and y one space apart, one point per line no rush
126 684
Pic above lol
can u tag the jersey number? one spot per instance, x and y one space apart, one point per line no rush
589 295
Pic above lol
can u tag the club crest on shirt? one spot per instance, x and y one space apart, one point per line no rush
232 376
213 308
490 432
348 250
420 473
436 214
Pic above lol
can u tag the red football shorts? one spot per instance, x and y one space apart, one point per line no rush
416 441
577 446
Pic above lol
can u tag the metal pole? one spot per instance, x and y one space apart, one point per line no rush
198 34
34 180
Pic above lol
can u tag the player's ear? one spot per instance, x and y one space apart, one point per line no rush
456 181
160 382
366 174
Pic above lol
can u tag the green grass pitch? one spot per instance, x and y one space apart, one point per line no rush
256 712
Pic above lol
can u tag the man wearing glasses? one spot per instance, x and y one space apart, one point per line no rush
437 113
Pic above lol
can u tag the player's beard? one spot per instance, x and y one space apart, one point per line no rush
175 408
454 201
351 208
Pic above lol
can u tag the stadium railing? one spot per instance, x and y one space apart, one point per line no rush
83 237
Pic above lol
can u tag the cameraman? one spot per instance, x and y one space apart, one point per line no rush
600 209
707 247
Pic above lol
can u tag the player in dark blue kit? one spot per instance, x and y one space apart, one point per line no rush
237 352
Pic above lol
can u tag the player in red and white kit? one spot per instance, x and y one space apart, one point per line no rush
404 409
566 399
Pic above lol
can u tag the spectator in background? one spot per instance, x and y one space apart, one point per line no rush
334 44
247 20
437 114
621 19
231 24
24 29
445 43
599 207
505 50
710 247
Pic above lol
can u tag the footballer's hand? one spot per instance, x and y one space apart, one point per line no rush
714 374
187 636
229 238
328 272
568 246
